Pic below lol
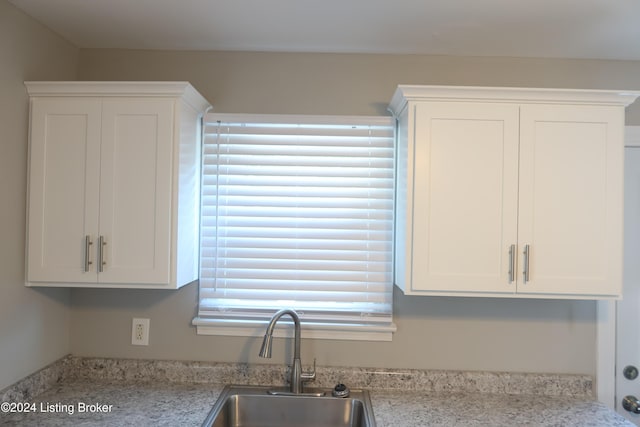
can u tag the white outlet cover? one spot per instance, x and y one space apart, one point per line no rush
140 331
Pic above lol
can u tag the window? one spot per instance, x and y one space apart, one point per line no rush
297 212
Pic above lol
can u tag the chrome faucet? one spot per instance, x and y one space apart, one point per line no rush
297 376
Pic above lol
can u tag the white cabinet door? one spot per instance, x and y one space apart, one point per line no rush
63 189
135 190
570 199
464 189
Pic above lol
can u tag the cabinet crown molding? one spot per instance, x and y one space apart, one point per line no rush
407 93
113 89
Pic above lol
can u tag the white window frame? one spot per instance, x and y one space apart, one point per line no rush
250 327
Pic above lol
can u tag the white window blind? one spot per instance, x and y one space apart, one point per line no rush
297 212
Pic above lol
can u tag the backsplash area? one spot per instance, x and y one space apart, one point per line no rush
72 368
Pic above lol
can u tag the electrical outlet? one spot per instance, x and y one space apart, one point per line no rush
140 332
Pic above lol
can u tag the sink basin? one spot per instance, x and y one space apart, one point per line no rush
253 406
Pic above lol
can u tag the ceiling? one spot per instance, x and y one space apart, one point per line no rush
602 29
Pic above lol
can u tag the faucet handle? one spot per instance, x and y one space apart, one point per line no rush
309 376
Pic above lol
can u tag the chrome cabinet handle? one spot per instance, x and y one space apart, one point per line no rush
101 262
512 262
525 270
87 253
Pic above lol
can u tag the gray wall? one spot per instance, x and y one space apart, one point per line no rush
437 333
34 323
249 82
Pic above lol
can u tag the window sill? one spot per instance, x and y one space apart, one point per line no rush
329 331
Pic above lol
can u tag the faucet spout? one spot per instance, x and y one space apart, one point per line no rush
297 377
265 350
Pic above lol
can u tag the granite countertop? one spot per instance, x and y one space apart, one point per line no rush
141 404
98 394
495 410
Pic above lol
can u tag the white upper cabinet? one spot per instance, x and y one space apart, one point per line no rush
114 172
509 192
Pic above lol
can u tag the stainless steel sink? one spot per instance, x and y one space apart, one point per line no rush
253 406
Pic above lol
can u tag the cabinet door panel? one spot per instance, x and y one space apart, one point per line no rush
135 207
465 196
63 195
571 198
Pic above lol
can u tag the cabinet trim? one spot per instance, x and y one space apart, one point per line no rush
407 93
110 89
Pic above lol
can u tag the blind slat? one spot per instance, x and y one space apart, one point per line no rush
211 170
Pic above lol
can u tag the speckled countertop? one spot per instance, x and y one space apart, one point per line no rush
98 392
129 404
486 409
